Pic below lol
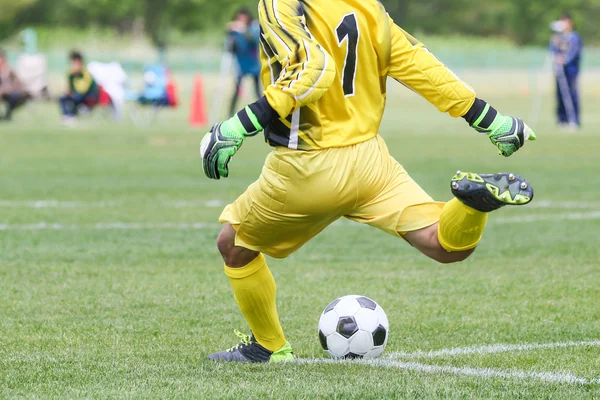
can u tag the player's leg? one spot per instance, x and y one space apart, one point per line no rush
13 101
78 100
448 232
234 256
426 241
257 86
275 217
573 85
254 289
463 219
236 94
561 109
4 99
453 238
66 105
255 293
394 203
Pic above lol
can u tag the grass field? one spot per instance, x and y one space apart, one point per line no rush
111 285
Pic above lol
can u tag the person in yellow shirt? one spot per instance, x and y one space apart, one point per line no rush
82 88
325 65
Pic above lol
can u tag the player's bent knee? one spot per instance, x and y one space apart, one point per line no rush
226 239
226 244
234 256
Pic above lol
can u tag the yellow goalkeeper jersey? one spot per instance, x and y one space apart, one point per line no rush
325 65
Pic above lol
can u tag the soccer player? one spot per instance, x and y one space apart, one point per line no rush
325 68
566 46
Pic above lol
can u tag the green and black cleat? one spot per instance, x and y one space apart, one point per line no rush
490 192
248 350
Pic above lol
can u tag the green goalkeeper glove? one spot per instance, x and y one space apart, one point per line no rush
224 140
508 134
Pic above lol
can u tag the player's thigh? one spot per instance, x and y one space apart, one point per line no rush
287 206
396 204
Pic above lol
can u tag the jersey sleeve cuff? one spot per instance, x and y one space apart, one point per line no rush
281 102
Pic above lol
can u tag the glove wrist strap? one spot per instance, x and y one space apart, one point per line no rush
253 118
244 123
483 117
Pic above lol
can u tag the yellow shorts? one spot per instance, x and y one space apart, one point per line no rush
300 193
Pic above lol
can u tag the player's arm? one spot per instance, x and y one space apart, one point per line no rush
307 73
307 70
413 65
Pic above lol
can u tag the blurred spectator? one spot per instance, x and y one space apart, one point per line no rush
12 92
83 89
243 41
566 46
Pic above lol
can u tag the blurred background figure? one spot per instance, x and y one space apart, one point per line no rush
32 67
83 89
566 46
12 92
156 81
243 41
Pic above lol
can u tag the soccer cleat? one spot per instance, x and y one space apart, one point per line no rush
248 350
490 192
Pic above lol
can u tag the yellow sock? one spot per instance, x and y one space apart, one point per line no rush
254 289
461 226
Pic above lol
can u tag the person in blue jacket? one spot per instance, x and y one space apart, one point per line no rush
243 35
566 46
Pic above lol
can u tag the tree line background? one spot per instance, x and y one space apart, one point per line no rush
523 21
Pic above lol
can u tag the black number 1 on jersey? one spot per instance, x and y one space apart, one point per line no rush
347 31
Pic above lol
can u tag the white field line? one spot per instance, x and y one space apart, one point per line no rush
549 377
579 216
491 349
43 226
57 204
193 203
567 205
37 204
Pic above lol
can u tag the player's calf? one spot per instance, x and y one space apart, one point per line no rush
255 291
426 241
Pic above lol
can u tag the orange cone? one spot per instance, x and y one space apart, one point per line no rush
172 91
198 106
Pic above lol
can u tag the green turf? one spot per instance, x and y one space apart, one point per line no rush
97 311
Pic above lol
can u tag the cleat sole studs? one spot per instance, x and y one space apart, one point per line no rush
511 177
524 186
518 199
458 172
504 197
455 185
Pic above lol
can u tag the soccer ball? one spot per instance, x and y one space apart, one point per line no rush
353 327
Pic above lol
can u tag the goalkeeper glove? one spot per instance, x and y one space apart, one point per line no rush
508 134
224 140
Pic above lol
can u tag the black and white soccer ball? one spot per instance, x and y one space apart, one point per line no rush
353 327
